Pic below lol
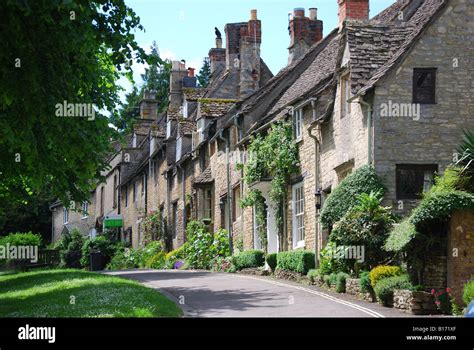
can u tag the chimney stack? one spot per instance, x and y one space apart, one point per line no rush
178 73
304 32
250 34
353 10
148 105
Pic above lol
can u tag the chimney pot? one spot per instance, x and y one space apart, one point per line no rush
253 15
191 72
298 12
313 13
219 43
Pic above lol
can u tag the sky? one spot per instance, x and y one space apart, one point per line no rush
184 29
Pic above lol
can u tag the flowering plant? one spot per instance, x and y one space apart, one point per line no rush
443 300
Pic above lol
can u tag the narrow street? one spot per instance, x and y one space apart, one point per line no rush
207 294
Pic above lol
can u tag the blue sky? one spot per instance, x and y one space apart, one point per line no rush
184 29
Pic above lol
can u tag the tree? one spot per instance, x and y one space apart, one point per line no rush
205 73
55 53
129 111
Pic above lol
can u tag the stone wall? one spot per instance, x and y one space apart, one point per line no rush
460 265
417 303
434 137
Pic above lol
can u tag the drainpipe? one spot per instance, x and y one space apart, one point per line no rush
317 185
229 192
240 133
183 194
369 127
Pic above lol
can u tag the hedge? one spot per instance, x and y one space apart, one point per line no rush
300 261
21 239
383 271
249 258
468 295
344 196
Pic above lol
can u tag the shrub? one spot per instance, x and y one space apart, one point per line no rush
366 224
223 264
249 258
385 287
272 260
330 280
149 251
156 261
100 243
300 261
468 295
199 250
344 196
176 255
328 262
220 244
383 271
364 282
122 260
314 275
70 249
21 239
341 282
466 158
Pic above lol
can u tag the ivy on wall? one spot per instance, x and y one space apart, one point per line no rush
273 156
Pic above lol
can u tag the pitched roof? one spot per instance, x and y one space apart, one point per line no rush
214 108
186 127
193 94
204 178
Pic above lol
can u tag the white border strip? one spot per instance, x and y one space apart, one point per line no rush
323 295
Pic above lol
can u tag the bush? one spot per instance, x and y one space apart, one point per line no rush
149 251
364 282
249 258
21 239
383 271
328 262
199 250
385 287
156 261
70 249
341 282
122 260
468 295
100 243
223 264
272 260
220 244
366 224
344 196
330 280
300 261
176 255
314 275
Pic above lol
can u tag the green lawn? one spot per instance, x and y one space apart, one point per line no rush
48 293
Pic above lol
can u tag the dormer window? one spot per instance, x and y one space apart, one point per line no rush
298 124
168 129
179 146
185 109
201 123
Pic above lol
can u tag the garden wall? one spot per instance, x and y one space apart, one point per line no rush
460 264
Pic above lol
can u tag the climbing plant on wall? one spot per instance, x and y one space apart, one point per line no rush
273 156
255 199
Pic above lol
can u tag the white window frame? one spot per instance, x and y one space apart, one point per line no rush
134 140
345 95
298 117
207 204
65 215
298 215
201 125
168 129
185 109
85 209
257 244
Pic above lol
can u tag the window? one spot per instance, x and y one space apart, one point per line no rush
134 141
115 192
200 130
126 196
298 124
168 129
85 209
102 201
236 203
424 85
414 179
175 218
345 95
65 215
207 204
185 109
212 148
143 184
179 145
155 172
298 215
135 190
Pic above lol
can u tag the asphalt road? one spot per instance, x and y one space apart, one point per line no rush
205 294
